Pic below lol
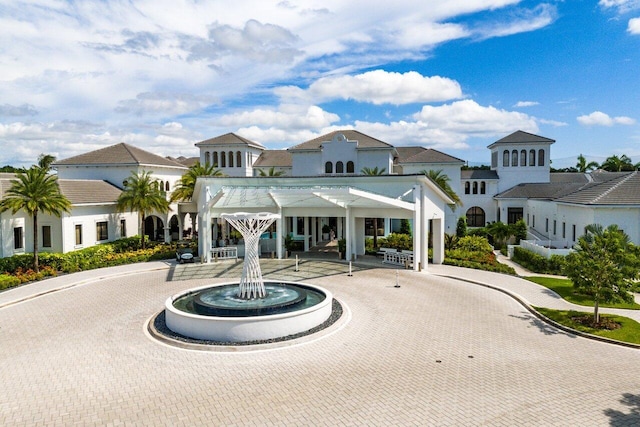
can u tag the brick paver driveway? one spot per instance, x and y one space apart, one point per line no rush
433 352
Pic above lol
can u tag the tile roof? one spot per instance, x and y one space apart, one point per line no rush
478 174
119 154
277 158
185 161
88 191
520 137
364 141
230 139
424 155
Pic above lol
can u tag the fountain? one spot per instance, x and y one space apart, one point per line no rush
248 310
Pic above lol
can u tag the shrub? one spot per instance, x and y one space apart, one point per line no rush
396 241
8 281
496 268
474 243
461 226
537 263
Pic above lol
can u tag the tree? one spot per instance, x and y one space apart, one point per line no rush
442 180
142 194
34 191
583 166
405 227
617 164
519 230
500 232
461 226
45 161
603 265
374 172
187 183
270 172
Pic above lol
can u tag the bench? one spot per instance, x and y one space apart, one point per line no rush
404 258
382 251
227 252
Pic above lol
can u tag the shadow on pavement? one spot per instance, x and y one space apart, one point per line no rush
544 327
619 418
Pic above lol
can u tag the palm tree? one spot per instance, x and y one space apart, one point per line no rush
270 172
617 164
442 180
374 172
184 189
34 191
141 194
583 166
45 161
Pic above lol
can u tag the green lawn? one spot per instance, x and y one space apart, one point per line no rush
564 288
628 332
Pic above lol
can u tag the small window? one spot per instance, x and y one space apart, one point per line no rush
475 187
523 158
78 234
494 159
546 225
339 167
483 187
505 158
573 232
17 238
533 221
223 159
215 159
123 228
540 157
102 231
350 167
514 158
230 159
166 186
328 167
46 236
554 227
239 159
467 187
532 157
206 158
564 230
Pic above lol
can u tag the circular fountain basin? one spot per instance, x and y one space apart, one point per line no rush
214 313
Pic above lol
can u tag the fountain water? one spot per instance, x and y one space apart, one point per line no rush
248 310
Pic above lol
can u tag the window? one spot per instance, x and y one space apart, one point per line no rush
540 157
328 167
123 228
573 231
215 159
206 158
533 221
46 236
514 215
78 234
17 238
223 159
230 159
483 187
554 227
514 158
494 159
467 187
475 187
166 186
564 230
532 157
523 158
339 167
546 225
505 158
475 217
102 232
239 159
350 167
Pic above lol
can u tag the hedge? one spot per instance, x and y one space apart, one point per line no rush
537 263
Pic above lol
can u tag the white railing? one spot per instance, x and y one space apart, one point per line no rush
535 246
404 258
228 252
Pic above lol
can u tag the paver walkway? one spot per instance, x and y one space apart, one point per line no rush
436 351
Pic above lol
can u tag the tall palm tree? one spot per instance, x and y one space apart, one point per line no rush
270 172
45 161
583 166
184 189
442 180
34 191
141 194
374 172
617 164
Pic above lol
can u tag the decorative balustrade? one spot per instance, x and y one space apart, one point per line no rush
227 252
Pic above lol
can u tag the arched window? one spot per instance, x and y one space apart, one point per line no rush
166 186
339 167
215 161
523 158
475 217
206 157
514 158
532 157
505 158
467 187
540 157
230 159
483 187
239 159
328 167
350 167
223 159
475 187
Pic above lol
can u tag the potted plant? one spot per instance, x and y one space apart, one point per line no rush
288 245
325 232
342 247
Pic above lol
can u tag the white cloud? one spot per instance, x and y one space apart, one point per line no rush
525 20
598 118
622 6
634 26
378 87
286 117
522 104
553 123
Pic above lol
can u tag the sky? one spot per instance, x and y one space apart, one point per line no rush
451 75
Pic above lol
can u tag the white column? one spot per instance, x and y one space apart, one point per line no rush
339 233
387 226
438 241
306 234
424 256
347 235
294 225
314 228
417 227
279 234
